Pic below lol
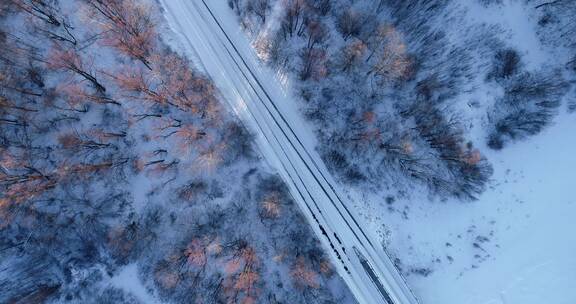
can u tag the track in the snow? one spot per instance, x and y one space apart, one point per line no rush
288 126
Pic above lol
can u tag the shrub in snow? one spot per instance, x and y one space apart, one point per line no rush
507 63
529 103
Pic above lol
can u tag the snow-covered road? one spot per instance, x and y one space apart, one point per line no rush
209 34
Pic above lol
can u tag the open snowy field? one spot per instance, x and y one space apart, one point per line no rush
514 245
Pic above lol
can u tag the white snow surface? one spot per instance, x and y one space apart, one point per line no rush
514 17
127 279
528 216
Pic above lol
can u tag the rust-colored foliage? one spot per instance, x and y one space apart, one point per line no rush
471 157
136 81
393 61
210 159
171 82
293 18
75 141
303 276
19 180
180 84
326 268
271 207
232 266
189 136
241 283
369 117
128 26
352 53
69 59
6 214
69 140
75 95
196 253
121 240
407 146
166 278
61 58
314 64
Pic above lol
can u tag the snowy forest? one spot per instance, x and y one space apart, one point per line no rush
120 158
387 84
114 152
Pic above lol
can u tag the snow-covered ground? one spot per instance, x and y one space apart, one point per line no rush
516 243
127 279
522 227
